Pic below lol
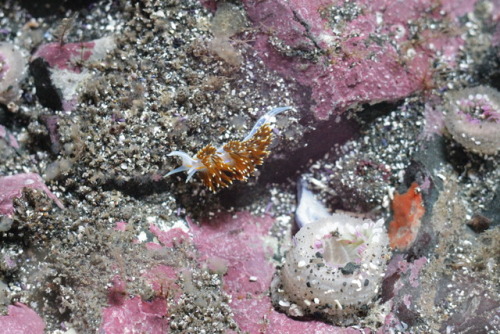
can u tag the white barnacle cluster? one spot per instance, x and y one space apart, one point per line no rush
334 267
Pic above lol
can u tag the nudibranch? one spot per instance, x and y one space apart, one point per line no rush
234 160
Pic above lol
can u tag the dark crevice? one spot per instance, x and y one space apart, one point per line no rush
46 92
316 144
44 8
308 31
371 112
137 187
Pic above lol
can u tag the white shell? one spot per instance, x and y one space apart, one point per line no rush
309 209
335 267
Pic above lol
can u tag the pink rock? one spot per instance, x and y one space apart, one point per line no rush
457 8
136 316
121 226
133 315
415 270
238 239
21 320
118 292
400 288
65 56
391 323
170 237
163 276
343 65
12 186
162 279
399 267
209 4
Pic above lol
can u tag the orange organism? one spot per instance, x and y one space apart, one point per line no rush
235 160
408 211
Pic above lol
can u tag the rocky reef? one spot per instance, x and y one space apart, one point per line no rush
389 135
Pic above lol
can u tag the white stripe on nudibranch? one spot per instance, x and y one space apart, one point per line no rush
188 164
265 119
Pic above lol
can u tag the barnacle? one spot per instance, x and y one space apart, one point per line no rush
235 160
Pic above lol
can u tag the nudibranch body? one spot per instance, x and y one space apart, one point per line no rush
235 160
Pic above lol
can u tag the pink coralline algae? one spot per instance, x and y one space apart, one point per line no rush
238 242
71 56
136 316
399 266
12 187
21 320
401 286
65 56
168 239
348 53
